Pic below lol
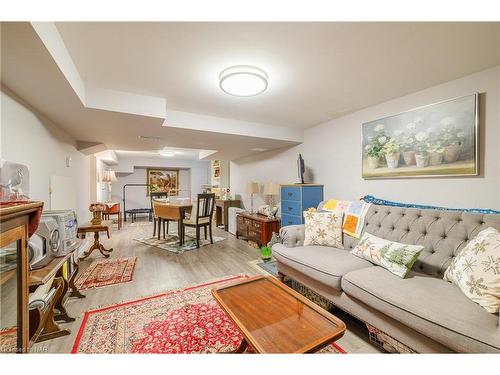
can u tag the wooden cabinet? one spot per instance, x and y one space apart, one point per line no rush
14 325
255 227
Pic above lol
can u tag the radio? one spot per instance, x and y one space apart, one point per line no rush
55 237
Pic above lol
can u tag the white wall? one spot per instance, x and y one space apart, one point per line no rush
332 152
30 139
192 174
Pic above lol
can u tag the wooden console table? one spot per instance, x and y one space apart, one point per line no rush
17 220
255 227
222 209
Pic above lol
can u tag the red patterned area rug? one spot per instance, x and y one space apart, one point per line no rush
8 340
106 272
181 321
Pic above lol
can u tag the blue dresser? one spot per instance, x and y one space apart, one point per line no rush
297 198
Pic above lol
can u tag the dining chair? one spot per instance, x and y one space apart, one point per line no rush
201 217
153 197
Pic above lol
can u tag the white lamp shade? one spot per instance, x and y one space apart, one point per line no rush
252 187
271 188
109 176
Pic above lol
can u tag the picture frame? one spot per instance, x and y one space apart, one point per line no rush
162 180
435 140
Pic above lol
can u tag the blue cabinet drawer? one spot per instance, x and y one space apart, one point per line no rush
291 193
290 220
291 208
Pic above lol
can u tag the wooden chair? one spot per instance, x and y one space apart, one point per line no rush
201 217
154 196
113 210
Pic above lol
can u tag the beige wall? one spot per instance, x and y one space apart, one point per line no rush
332 153
30 139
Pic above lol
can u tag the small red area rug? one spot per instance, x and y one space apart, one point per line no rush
106 272
180 321
8 340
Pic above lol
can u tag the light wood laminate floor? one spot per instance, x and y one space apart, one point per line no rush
158 271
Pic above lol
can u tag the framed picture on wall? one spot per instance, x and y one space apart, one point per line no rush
163 181
439 139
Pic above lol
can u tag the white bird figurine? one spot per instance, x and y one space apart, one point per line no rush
14 185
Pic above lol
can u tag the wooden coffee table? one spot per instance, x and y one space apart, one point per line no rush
274 318
105 226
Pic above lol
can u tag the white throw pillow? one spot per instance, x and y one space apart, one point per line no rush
476 270
323 228
396 257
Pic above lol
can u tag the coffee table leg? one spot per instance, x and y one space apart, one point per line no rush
243 346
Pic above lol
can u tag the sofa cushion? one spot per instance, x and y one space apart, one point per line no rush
324 264
429 305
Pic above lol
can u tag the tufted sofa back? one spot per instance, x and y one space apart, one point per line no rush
442 233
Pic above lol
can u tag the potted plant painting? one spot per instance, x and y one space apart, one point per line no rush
436 152
373 152
418 142
421 154
452 139
391 153
374 148
407 143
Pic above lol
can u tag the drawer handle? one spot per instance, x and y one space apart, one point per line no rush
290 193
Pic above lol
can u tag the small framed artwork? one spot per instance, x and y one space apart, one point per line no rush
162 181
437 140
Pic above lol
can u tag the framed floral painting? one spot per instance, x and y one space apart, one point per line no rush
435 140
163 181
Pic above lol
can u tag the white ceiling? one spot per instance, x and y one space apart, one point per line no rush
318 71
30 72
179 153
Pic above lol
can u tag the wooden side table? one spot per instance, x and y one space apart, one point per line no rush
255 227
105 226
222 209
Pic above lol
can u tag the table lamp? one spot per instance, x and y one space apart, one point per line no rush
109 177
252 188
271 189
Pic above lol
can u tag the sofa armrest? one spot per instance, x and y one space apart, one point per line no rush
292 235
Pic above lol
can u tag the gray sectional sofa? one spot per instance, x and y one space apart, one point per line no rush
422 311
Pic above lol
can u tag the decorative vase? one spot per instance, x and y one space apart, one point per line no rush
96 218
421 161
265 252
392 160
451 153
435 158
373 163
409 157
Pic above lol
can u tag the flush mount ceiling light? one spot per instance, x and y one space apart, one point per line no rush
167 153
243 80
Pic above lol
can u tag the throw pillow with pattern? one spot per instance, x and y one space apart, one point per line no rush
476 270
323 228
396 257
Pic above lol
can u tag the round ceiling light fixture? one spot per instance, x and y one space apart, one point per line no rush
167 153
243 80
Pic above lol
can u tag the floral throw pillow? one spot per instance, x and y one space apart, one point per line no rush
396 257
323 228
476 270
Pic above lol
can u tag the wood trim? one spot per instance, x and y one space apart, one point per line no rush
10 212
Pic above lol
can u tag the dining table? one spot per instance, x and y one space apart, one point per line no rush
165 210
